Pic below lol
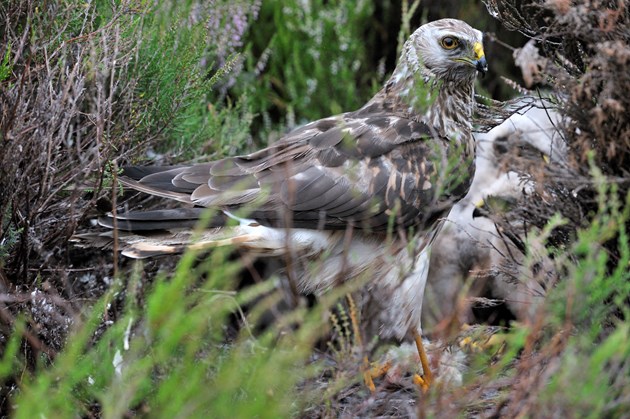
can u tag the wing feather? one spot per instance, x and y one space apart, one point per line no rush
358 168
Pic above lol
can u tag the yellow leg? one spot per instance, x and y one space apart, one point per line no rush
376 371
425 380
369 373
368 379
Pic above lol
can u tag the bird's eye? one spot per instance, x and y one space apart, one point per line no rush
449 42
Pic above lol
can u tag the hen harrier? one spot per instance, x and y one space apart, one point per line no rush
395 165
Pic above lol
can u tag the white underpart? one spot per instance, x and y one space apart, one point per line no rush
273 241
408 296
401 273
395 280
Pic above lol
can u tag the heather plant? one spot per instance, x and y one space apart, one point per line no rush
96 84
5 67
310 60
187 57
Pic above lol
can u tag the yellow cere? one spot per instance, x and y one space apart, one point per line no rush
478 48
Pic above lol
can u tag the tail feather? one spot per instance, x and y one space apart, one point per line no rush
143 250
149 225
146 249
168 219
139 172
256 238
156 190
97 240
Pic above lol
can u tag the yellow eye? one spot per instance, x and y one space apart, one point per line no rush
449 42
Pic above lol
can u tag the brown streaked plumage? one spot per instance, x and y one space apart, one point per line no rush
387 164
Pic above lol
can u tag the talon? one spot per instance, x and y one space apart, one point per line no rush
369 382
368 379
380 370
368 373
421 382
376 371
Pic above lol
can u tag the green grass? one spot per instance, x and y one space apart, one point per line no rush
5 65
169 358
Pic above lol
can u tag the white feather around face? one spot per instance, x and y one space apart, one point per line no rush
424 48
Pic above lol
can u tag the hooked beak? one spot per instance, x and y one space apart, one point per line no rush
479 210
481 65
480 62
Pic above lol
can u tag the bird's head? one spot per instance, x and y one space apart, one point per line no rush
450 49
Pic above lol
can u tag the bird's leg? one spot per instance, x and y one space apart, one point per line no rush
375 371
369 373
425 380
